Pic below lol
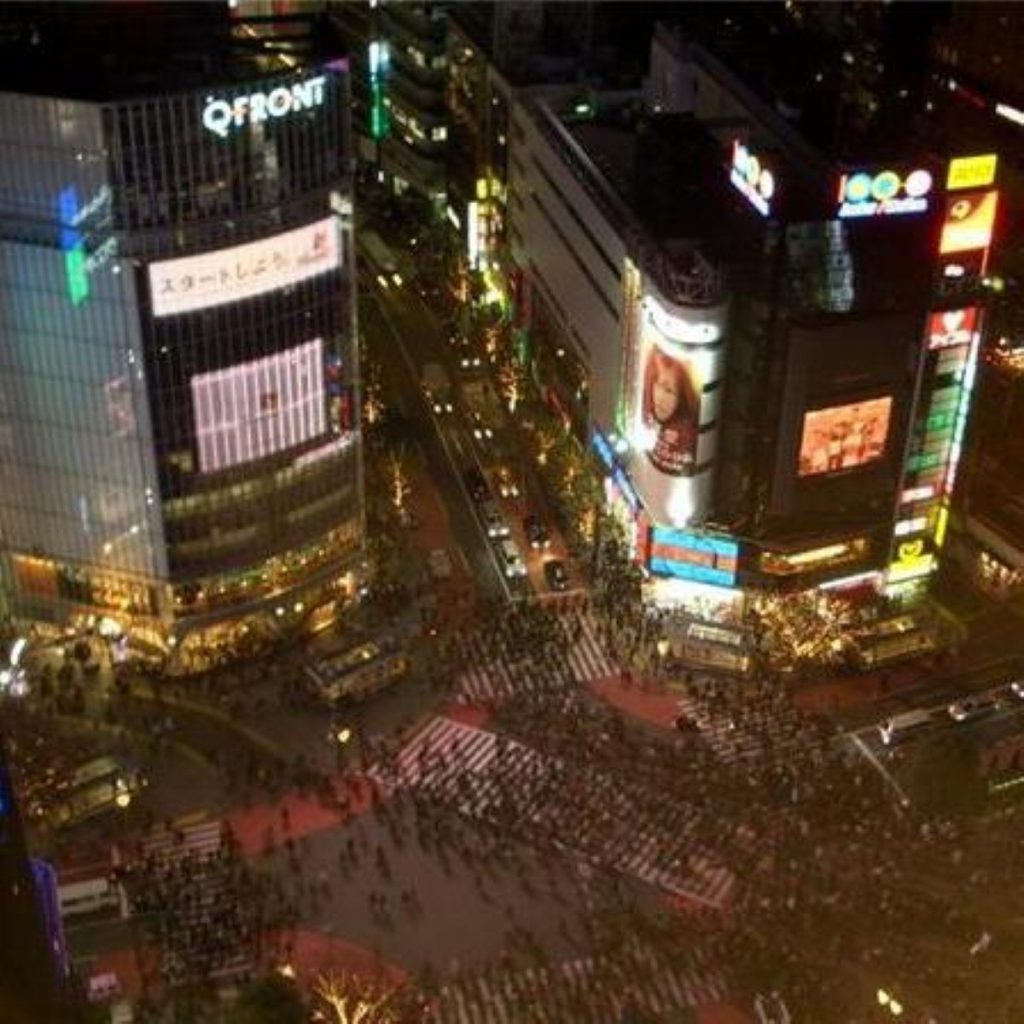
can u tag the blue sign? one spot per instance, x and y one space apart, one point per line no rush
693 556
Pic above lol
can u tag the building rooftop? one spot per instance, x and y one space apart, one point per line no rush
109 51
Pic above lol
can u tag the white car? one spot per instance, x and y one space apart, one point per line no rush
493 520
511 561
967 708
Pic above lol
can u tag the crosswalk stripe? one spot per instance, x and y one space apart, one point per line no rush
485 776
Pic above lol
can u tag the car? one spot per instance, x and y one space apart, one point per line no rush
476 484
481 431
966 708
908 723
536 532
1017 688
492 520
507 486
468 363
511 562
555 574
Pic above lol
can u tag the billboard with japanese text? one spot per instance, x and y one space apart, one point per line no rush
244 271
259 407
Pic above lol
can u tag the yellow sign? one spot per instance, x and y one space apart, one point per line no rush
971 171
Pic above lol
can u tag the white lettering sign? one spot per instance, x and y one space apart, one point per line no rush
674 328
244 271
221 115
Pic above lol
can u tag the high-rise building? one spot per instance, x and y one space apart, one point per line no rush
179 434
770 343
399 76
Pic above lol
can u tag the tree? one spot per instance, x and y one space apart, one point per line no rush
346 998
397 475
511 383
274 999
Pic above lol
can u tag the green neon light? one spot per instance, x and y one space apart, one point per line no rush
78 278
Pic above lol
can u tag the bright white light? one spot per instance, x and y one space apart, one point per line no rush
17 649
1010 113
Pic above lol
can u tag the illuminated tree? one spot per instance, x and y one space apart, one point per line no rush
511 383
346 998
397 474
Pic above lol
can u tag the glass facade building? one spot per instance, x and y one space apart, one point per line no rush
179 435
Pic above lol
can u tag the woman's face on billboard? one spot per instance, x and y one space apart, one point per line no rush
664 394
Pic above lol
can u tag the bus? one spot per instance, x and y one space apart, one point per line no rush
356 673
97 786
380 256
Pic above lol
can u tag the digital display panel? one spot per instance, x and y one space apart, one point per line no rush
691 556
844 436
244 271
885 193
260 407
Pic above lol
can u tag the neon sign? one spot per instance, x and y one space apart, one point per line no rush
952 327
220 115
883 194
969 222
748 175
971 172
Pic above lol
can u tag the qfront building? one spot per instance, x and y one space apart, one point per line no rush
179 436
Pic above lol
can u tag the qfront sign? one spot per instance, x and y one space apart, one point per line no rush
221 116
863 194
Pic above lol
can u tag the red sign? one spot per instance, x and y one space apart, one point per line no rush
952 327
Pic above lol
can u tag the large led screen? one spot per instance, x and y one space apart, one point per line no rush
244 271
844 436
260 407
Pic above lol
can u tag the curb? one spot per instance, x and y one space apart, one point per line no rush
215 714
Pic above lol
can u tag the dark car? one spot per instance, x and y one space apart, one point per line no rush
555 574
476 484
536 532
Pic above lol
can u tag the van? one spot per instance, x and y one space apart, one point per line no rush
906 724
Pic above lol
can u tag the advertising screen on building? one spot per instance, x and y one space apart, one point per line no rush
691 556
844 436
260 407
952 327
244 271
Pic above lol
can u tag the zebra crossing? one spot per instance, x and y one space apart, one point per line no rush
750 732
598 817
585 989
488 678
201 840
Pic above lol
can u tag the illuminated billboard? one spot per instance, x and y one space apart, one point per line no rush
971 172
244 271
691 556
678 355
259 407
885 193
752 178
969 222
952 327
844 436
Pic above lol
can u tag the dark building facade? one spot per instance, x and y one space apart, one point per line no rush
178 396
